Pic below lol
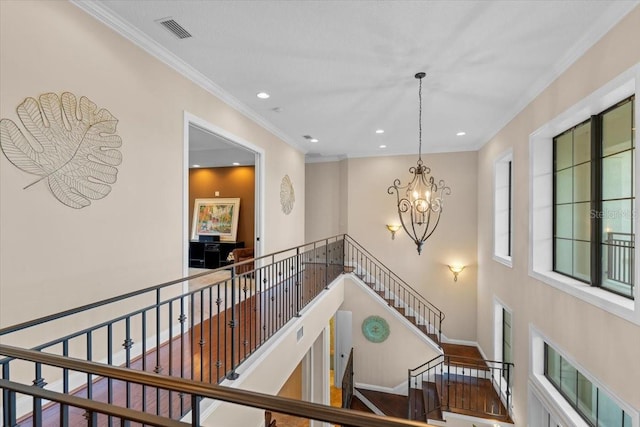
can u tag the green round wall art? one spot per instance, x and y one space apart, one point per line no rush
375 329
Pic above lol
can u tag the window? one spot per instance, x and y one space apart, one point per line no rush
593 198
503 216
593 404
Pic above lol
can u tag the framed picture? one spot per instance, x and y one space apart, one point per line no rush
216 217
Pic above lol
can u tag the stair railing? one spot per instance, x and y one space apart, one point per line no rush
470 386
199 328
347 382
194 391
374 273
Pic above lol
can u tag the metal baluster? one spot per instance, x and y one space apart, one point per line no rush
182 319
37 401
195 410
158 368
110 363
218 344
143 319
8 400
89 357
202 342
232 375
128 343
170 320
211 364
64 409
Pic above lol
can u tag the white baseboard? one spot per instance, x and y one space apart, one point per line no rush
400 389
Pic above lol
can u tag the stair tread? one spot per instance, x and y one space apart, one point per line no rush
392 405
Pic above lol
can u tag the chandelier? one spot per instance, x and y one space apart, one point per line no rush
420 201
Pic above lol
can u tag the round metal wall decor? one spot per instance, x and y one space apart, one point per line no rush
375 329
287 196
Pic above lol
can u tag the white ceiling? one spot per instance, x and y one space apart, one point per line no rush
339 70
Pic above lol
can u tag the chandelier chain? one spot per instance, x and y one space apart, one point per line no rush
420 123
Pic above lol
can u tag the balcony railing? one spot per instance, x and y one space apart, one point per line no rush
194 391
197 329
396 291
474 387
620 260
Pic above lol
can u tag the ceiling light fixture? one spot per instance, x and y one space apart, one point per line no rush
419 203
380 131
314 140
235 164
263 95
462 133
383 146
195 166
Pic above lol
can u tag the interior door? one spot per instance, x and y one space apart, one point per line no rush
343 344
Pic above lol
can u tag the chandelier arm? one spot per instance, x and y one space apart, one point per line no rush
434 227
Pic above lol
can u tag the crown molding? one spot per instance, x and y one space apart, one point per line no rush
146 43
607 21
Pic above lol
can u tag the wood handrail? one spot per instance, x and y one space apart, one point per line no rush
217 392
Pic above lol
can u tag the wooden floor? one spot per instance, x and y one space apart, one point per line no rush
392 405
210 363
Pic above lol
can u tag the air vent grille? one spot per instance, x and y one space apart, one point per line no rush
175 28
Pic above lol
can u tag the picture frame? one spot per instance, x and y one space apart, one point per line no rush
216 217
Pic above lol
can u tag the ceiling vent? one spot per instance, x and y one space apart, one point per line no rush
175 28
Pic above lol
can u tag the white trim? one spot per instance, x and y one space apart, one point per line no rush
153 48
501 178
368 403
540 197
260 228
549 396
401 389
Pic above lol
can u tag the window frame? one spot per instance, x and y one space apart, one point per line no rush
550 397
540 173
503 178
596 161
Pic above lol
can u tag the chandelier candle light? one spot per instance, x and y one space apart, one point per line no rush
419 202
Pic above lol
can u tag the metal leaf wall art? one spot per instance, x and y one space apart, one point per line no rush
74 147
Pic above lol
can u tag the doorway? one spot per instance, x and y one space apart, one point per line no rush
213 147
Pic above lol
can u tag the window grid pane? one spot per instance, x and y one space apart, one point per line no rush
594 187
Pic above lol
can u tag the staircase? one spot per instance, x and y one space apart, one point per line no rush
459 381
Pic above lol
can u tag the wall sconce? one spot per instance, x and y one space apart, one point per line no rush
456 269
393 228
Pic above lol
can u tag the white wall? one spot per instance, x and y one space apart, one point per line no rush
53 257
605 345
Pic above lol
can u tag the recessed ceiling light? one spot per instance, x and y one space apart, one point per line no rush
383 146
263 95
461 133
235 164
195 166
314 140
380 131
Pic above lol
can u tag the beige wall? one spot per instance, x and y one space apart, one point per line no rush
605 345
369 207
382 364
53 257
326 210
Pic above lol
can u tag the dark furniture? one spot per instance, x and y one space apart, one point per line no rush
210 254
243 254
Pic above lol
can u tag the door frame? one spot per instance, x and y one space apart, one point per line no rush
258 243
